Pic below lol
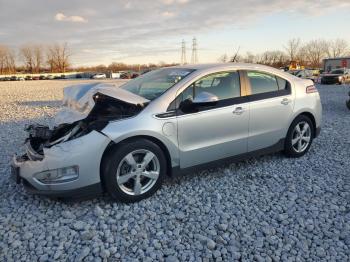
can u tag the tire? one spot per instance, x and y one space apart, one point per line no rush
298 144
125 175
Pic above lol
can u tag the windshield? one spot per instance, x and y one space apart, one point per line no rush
337 72
151 85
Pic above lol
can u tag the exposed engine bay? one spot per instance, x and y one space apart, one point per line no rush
99 110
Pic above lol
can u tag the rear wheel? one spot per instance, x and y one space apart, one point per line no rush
299 137
134 170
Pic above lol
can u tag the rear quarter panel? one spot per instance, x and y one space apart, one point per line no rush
306 102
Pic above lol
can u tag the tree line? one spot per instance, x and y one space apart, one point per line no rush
35 58
309 54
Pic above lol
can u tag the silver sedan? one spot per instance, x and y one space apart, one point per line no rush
126 140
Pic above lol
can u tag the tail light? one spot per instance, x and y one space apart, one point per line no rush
311 89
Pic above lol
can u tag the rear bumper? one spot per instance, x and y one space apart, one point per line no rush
84 152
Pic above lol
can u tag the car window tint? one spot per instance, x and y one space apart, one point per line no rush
224 85
262 82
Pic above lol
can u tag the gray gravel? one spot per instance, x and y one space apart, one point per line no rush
266 209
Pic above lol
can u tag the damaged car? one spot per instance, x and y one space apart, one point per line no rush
126 140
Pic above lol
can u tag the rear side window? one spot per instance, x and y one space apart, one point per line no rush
282 83
262 82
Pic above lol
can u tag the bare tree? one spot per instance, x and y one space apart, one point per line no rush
236 57
292 48
27 56
7 60
58 56
315 51
337 48
38 57
249 58
223 58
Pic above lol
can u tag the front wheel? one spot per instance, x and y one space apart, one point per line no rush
134 170
299 137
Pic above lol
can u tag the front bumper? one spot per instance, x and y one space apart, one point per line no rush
85 152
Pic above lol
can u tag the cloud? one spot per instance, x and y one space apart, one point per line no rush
170 2
123 28
73 18
168 14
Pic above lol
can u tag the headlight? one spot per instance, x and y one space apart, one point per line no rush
340 78
61 175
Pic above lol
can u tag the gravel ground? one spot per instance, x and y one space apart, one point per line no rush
266 209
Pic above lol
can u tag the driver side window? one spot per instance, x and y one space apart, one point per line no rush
224 85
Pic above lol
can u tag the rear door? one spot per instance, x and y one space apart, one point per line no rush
271 104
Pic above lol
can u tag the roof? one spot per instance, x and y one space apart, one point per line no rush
337 58
224 65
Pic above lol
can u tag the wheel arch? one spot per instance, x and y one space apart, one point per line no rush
311 117
113 145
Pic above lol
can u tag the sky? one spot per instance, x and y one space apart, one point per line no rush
150 31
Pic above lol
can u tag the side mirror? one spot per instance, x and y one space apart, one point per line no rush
205 98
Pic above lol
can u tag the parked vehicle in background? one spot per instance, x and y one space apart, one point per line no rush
42 77
336 76
99 76
50 77
13 78
28 78
134 75
304 74
126 140
36 77
129 75
125 75
20 78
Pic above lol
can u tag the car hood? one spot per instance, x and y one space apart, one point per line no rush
78 100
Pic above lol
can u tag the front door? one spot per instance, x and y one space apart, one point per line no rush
217 130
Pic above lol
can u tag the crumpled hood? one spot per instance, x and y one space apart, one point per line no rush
78 100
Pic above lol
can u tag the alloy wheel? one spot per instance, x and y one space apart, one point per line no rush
301 136
137 172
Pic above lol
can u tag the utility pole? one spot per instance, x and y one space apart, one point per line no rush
194 57
183 53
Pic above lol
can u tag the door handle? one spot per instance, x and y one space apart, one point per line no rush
238 110
285 101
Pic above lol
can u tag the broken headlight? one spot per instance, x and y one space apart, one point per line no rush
60 175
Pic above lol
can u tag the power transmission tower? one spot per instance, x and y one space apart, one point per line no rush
183 53
194 57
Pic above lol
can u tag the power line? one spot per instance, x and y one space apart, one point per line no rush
194 56
183 53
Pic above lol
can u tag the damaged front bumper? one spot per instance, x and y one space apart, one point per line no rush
67 169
